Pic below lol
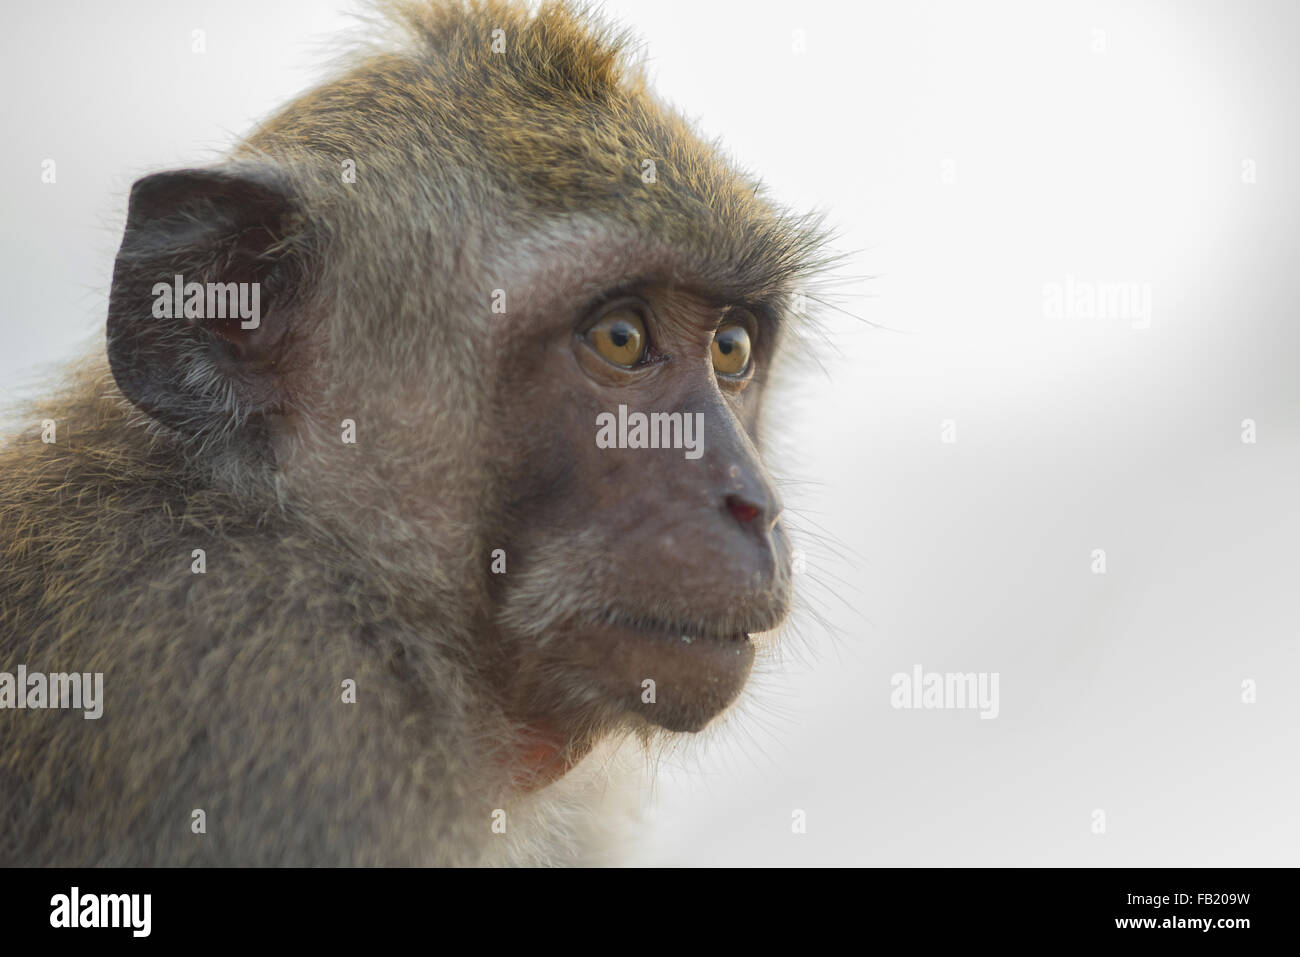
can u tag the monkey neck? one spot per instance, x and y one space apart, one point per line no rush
544 752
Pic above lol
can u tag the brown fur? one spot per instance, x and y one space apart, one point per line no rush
326 561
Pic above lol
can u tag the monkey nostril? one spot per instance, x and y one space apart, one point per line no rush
742 511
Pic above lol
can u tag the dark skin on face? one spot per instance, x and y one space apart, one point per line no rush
689 556
626 565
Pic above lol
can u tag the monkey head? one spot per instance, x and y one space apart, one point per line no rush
547 310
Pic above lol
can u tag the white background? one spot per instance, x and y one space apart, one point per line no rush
1111 157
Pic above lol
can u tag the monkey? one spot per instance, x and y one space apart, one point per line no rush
372 569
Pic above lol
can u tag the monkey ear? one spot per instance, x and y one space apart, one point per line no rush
204 288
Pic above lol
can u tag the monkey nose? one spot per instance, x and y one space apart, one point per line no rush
750 500
741 510
757 511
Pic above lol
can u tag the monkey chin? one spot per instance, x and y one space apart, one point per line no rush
623 676
677 678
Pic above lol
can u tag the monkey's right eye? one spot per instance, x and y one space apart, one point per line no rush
619 336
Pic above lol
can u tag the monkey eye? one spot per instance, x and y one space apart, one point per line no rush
731 349
619 336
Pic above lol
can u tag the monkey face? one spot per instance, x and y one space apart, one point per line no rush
645 542
561 472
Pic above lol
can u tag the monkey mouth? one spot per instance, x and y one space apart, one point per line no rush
675 672
703 656
686 633
677 675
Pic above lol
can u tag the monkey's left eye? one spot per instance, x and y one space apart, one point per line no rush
731 349
619 336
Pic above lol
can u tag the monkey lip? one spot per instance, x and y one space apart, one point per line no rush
676 675
686 633
682 654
